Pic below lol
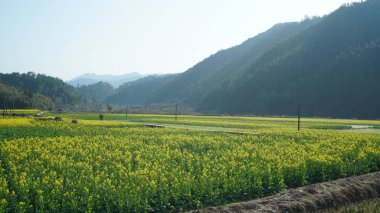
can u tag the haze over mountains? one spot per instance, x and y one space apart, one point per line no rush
114 80
329 65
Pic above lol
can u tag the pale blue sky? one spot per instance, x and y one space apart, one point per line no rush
65 38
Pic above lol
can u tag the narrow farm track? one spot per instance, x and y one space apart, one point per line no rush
311 198
202 128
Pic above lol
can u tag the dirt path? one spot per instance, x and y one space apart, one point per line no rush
311 198
203 128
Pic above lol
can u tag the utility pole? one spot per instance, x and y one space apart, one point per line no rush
5 98
101 116
13 105
299 115
176 112
126 112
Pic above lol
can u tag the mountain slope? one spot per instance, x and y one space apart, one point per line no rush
190 86
332 68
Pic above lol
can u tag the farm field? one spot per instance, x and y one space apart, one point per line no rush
118 164
244 122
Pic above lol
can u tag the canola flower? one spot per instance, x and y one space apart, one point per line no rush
112 166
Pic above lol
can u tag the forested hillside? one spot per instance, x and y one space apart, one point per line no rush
37 90
332 69
191 86
18 98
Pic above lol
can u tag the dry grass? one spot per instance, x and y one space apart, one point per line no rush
315 197
372 206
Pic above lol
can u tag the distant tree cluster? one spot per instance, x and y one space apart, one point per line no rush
37 91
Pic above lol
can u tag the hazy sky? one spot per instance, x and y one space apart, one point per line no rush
65 38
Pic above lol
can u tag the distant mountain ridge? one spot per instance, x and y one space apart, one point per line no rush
115 80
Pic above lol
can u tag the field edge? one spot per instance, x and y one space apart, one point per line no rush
311 198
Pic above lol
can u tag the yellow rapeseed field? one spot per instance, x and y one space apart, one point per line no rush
125 166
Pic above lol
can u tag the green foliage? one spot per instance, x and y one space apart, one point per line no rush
19 98
109 107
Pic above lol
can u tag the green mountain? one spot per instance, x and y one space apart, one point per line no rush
191 86
37 90
332 69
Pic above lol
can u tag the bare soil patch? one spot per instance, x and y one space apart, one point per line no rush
311 198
